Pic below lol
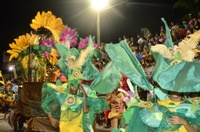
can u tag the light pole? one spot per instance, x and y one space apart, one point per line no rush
98 28
98 5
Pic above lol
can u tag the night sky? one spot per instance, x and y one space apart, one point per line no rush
125 19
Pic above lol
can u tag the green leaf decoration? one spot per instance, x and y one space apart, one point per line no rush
98 54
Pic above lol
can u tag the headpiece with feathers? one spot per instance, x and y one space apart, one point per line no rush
175 69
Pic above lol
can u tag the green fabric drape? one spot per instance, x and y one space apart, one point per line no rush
128 64
181 77
108 79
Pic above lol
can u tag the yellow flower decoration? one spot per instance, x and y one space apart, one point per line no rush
21 44
60 88
145 104
76 74
70 100
48 21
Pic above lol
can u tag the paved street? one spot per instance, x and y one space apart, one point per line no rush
5 127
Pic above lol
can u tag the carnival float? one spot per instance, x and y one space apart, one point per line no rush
38 62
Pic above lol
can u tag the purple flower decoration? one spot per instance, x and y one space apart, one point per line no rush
48 43
69 36
84 42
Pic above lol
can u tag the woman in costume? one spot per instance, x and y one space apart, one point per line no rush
174 100
117 107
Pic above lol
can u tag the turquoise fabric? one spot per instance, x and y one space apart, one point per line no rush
52 100
107 80
161 93
128 64
168 42
147 120
179 77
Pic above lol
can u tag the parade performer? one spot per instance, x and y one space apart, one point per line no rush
117 106
71 105
61 103
175 71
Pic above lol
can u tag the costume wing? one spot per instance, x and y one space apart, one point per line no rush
183 76
128 64
107 80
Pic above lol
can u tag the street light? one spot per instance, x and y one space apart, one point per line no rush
98 5
13 69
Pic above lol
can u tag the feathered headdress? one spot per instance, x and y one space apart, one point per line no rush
175 69
76 64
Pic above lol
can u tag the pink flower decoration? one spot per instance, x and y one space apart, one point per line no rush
48 43
84 42
69 35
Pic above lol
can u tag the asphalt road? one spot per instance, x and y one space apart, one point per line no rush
5 127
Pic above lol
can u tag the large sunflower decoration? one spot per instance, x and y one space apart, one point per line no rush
47 27
20 51
39 42
18 48
48 21
58 43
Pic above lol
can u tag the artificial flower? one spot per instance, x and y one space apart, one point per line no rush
20 45
76 74
69 37
48 43
84 42
49 21
59 88
70 100
146 104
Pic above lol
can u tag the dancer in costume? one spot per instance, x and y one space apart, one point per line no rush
71 109
174 71
71 105
117 107
174 100
64 105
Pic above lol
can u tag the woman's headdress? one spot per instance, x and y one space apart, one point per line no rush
175 68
